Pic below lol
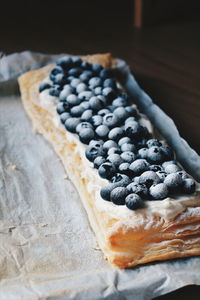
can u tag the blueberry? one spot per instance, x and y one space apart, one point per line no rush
95 103
96 143
74 72
75 82
155 155
128 156
111 108
85 76
172 168
119 101
77 110
106 73
121 179
131 111
124 169
54 91
127 147
124 140
93 150
97 68
85 96
133 201
106 190
65 93
173 182
94 82
113 150
104 111
149 178
166 163
77 61
109 144
161 174
71 124
107 170
44 86
73 100
85 105
167 152
153 142
183 174
136 179
62 107
115 159
86 135
87 115
143 153
99 160
64 62
64 116
130 119
109 82
116 133
189 185
139 166
110 120
141 144
121 113
55 71
59 79
81 87
86 65
98 90
156 168
83 125
102 131
133 130
159 191
109 93
139 189
118 195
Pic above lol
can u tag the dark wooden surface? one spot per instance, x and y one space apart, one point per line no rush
165 59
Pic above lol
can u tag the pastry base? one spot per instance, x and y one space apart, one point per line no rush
124 242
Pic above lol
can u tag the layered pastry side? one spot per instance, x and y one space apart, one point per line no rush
140 202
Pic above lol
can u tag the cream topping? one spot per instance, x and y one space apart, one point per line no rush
167 208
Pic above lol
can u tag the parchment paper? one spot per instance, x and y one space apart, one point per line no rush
47 248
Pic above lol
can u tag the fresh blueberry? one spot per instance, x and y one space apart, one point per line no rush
81 87
141 144
159 191
113 150
59 79
44 86
86 135
64 62
93 150
109 93
143 153
139 189
172 168
117 180
173 182
70 78
55 71
133 129
133 201
85 96
75 82
115 159
161 174
104 111
94 82
136 179
71 124
124 140
96 120
131 111
110 120
65 93
111 108
96 143
119 101
183 174
167 152
107 170
155 155
153 142
85 105
85 76
130 119
73 100
166 163
98 90
64 116
189 185
77 110
77 61
139 166
99 160
116 133
62 107
87 115
128 156
109 144
106 73
83 125
102 131
123 179
121 113
124 169
149 177
74 72
95 103
97 68
118 195
86 65
127 147
155 168
54 91
109 82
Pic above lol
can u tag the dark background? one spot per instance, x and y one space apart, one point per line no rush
164 54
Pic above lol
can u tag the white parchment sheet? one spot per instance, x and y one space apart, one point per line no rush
47 248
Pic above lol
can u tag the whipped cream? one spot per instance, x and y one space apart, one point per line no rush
166 209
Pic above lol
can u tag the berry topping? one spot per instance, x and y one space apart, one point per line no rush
93 150
128 156
106 73
124 168
149 177
155 168
118 195
173 182
127 147
119 101
138 188
62 107
81 87
116 133
107 170
71 124
133 201
83 125
172 168
155 155
124 180
86 134
167 152
94 82
43 86
115 159
54 91
64 62
121 113
139 166
86 95
161 175
114 150
143 153
103 112
153 142
87 115
159 191
102 131
95 103
124 140
109 144
189 185
73 99
110 120
99 160
64 116
96 120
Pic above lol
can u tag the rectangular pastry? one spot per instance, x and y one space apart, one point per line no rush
141 204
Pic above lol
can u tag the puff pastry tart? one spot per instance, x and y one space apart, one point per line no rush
140 203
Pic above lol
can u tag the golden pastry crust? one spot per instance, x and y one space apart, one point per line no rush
126 242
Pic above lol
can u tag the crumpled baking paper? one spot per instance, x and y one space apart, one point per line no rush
47 248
